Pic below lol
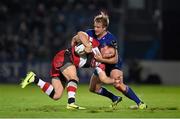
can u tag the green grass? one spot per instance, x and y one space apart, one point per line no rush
163 101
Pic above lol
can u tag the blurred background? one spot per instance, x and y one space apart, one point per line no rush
32 31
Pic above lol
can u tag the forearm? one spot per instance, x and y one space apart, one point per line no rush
104 78
111 58
83 37
75 40
109 61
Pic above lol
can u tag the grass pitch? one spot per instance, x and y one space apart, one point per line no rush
162 101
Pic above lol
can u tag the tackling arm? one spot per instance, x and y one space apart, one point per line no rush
105 79
102 75
112 60
82 37
75 40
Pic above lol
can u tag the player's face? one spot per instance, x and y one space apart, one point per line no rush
99 29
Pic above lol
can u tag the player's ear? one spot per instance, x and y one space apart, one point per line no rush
104 28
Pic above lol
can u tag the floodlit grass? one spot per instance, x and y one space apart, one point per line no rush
163 101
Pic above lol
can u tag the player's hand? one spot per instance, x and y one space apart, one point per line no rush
73 43
113 80
88 49
117 82
98 57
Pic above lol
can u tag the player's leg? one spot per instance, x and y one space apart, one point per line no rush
58 88
54 91
70 73
95 84
126 90
96 87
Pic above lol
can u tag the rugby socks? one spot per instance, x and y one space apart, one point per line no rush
45 86
104 92
131 95
71 90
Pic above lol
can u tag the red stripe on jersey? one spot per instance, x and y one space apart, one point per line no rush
102 66
95 43
71 88
45 87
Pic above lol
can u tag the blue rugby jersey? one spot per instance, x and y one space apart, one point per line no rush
107 40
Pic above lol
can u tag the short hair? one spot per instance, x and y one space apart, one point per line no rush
102 18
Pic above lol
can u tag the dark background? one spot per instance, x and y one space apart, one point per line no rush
32 31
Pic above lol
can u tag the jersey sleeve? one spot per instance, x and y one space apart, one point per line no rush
113 42
89 32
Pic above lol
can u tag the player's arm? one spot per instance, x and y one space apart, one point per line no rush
112 59
102 75
105 79
75 40
82 37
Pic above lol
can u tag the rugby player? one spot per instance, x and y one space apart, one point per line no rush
113 64
64 70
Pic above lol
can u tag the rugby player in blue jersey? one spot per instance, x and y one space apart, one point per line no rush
113 64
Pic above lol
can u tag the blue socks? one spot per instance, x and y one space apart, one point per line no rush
130 94
106 93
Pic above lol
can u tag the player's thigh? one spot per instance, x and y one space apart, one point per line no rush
70 72
116 74
95 83
58 86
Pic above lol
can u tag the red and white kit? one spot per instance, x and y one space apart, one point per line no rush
83 61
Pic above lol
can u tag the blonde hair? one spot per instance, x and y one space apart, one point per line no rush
102 18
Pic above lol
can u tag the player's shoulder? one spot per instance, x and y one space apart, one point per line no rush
110 35
90 31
